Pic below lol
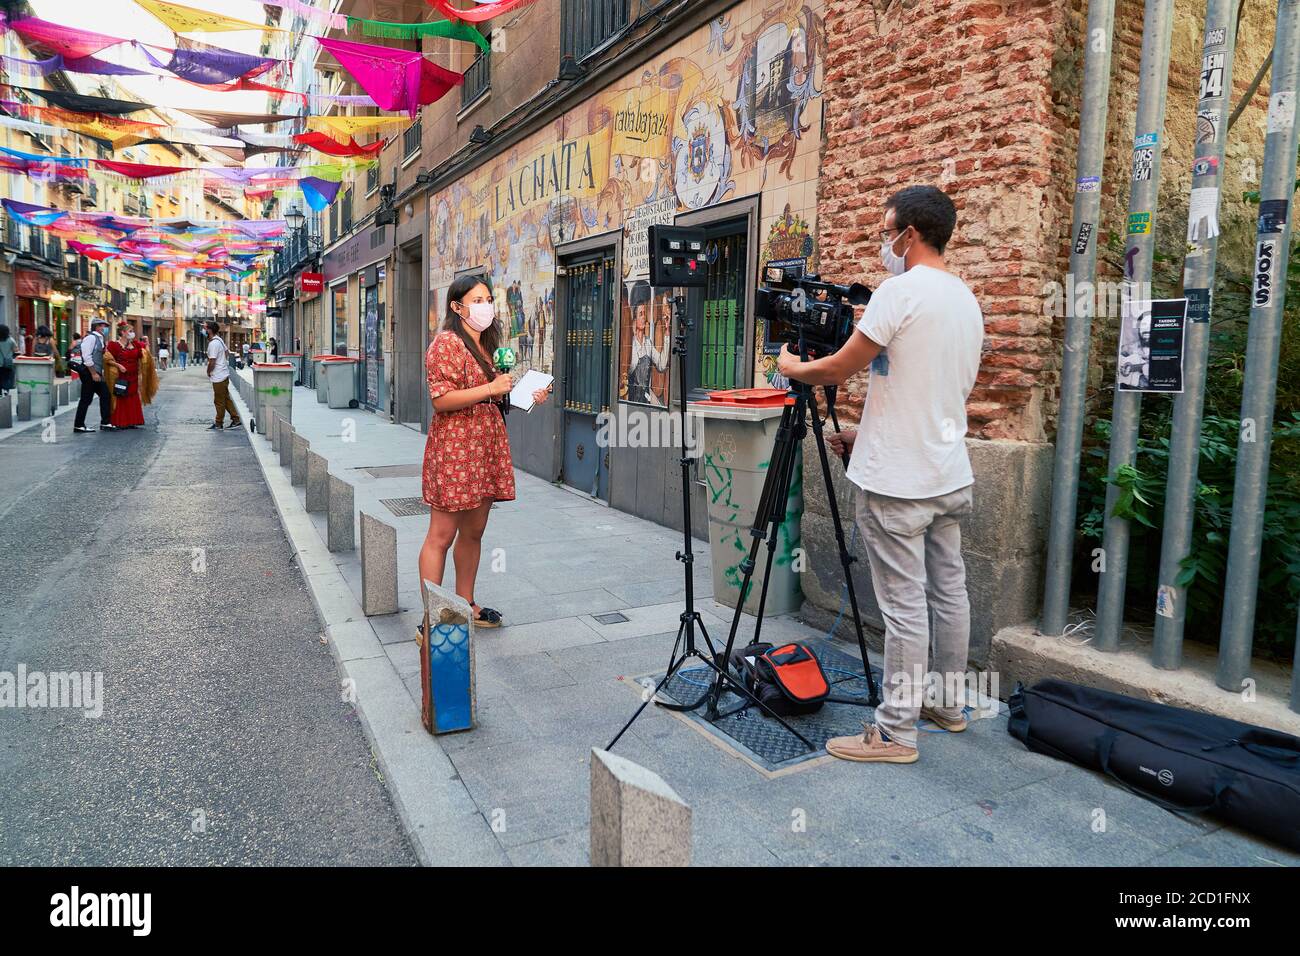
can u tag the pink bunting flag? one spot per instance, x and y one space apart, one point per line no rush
68 41
397 80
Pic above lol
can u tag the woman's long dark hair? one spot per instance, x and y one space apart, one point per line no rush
489 338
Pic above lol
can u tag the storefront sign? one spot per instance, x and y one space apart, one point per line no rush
309 284
367 246
33 285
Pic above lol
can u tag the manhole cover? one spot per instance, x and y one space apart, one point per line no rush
760 737
405 507
612 618
395 471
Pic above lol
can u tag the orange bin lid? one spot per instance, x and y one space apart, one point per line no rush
752 397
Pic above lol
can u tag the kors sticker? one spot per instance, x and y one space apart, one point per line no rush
1265 253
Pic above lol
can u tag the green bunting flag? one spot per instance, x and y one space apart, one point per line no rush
410 31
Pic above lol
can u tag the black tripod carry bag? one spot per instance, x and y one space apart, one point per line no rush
1181 759
789 679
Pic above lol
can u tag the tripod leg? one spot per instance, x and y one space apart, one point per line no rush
674 665
779 505
846 559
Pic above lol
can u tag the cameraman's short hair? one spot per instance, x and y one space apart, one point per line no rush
928 210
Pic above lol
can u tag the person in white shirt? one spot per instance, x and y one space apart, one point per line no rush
921 334
219 375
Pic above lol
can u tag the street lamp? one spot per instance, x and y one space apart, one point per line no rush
294 218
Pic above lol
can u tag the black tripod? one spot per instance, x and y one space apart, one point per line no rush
771 514
685 648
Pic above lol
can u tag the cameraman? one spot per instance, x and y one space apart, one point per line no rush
921 334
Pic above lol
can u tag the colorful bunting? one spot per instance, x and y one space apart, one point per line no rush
397 80
332 147
68 41
411 31
480 14
318 193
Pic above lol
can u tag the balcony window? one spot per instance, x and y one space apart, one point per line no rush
410 143
347 210
372 179
587 25
478 78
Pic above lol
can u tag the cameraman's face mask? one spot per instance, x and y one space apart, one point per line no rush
894 264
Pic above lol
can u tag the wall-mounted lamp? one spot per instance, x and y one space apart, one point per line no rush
480 136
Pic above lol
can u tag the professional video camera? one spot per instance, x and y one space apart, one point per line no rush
793 304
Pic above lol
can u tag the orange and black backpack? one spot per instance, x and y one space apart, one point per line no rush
789 679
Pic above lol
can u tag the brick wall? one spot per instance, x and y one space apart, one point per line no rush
958 94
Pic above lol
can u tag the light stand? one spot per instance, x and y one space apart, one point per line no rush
690 617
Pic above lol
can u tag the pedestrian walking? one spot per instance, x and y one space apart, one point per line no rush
219 375
129 374
275 350
467 463
91 372
183 353
8 349
73 355
163 355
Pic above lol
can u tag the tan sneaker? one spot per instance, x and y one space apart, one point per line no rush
953 726
870 747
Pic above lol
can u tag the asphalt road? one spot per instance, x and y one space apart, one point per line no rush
155 557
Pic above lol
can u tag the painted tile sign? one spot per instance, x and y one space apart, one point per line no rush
723 114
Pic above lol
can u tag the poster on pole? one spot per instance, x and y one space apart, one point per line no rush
1151 337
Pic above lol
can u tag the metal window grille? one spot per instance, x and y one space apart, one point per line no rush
589 337
372 178
717 358
586 25
347 210
478 78
410 142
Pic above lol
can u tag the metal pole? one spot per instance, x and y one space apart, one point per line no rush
1277 185
1198 287
1295 671
1078 322
1157 27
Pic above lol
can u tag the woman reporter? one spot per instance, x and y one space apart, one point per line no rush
467 462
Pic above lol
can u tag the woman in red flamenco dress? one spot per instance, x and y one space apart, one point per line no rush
131 363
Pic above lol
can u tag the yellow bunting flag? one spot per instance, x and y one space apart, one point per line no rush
344 128
182 19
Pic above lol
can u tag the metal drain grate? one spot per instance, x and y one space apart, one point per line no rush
762 739
395 471
405 507
612 618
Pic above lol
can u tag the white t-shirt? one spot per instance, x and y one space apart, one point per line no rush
912 440
217 350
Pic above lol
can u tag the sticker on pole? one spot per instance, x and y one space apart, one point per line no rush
1139 223
1081 241
1144 157
1151 345
1281 111
1165 601
1217 37
1198 305
1212 76
1265 259
1207 125
1203 213
1087 184
1205 166
1272 216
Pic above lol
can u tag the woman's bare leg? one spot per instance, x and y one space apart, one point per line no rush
469 544
433 554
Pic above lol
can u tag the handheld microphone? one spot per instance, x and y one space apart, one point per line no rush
504 360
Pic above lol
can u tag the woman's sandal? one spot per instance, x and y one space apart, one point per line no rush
487 617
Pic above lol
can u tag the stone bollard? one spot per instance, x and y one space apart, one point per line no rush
24 406
378 566
298 460
74 394
63 391
286 441
318 487
341 525
6 412
636 818
448 699
271 430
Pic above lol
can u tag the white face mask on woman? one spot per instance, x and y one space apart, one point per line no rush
481 315
894 264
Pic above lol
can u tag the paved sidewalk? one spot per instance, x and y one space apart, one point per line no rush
556 682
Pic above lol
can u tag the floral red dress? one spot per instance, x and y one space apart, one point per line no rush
467 455
127 409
